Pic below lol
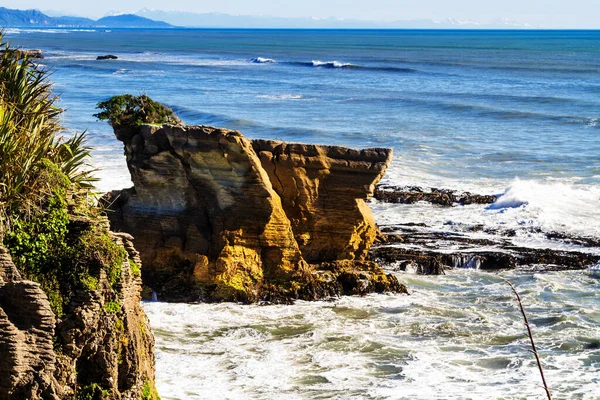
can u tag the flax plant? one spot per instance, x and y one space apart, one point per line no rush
31 143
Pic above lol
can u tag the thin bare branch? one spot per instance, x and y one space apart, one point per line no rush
534 350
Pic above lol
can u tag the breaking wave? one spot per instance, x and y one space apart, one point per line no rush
261 60
341 65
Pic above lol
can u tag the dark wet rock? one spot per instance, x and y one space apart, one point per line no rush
107 57
442 197
34 53
334 279
431 253
467 198
574 240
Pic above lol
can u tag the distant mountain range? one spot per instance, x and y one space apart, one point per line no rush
34 18
218 20
147 18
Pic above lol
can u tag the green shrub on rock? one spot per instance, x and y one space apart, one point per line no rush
149 392
129 110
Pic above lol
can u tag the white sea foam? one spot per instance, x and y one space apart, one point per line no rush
334 64
280 96
555 206
594 270
457 336
12 31
261 60
51 31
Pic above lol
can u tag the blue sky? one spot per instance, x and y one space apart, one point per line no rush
542 13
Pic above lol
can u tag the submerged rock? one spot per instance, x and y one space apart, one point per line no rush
217 216
107 57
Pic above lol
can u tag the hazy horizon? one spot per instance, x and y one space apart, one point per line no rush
577 14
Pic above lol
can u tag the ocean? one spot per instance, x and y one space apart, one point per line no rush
510 113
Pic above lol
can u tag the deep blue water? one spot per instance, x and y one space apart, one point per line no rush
461 105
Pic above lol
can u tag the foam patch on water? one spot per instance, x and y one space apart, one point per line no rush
280 96
556 206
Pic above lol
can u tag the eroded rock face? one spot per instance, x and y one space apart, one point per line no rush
323 191
27 359
218 216
103 342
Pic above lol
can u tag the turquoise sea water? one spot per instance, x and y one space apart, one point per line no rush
515 113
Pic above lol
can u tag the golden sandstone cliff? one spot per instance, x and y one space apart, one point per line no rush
217 216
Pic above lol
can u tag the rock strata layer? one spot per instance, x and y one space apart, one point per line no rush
101 348
217 216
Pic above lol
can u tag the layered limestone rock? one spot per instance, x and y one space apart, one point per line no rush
221 217
101 348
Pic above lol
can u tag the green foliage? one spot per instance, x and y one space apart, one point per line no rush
129 110
92 392
112 307
91 282
119 325
30 143
47 250
135 269
99 251
142 327
149 392
46 219
35 242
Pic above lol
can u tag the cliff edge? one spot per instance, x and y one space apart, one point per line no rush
100 348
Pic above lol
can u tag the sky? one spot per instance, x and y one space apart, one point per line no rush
540 13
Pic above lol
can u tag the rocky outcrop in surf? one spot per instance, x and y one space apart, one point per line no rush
441 197
217 216
422 250
431 250
107 57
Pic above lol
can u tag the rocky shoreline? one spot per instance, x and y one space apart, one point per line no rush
422 249
442 197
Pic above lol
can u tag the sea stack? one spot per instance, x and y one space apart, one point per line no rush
217 216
